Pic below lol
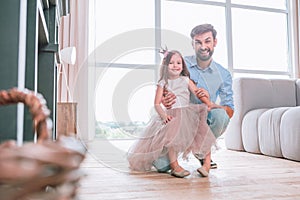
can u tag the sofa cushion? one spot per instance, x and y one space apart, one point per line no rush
269 131
290 134
250 130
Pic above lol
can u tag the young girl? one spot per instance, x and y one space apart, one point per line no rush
182 129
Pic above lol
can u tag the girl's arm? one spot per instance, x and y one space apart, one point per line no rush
157 101
198 92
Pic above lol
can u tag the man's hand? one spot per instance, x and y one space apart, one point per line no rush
168 99
229 111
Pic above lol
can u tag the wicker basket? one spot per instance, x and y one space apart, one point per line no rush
42 170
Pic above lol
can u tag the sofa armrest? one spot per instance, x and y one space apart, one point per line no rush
256 93
298 92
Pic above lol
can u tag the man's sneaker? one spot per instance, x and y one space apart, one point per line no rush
213 165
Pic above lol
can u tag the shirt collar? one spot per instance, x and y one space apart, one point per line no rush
211 66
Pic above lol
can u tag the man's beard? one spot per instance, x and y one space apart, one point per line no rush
206 57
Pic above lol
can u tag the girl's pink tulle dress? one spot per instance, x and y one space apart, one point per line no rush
187 132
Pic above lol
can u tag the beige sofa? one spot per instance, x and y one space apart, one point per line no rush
266 118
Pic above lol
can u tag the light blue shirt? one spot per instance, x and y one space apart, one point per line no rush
215 79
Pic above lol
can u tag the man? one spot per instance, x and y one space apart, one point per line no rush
211 78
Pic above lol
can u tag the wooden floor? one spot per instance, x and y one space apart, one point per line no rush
239 176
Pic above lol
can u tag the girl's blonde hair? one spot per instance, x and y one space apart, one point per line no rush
165 63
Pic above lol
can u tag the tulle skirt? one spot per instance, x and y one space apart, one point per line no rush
186 133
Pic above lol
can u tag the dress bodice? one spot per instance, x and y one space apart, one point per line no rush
179 87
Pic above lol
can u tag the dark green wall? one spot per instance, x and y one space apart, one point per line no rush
9 49
39 67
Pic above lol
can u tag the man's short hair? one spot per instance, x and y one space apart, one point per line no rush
203 28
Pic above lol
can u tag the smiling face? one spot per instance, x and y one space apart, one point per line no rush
175 66
204 45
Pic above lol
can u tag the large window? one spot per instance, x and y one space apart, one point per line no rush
181 17
279 4
254 39
261 45
115 24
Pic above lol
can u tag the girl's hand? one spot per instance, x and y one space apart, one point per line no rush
213 106
209 107
167 118
200 92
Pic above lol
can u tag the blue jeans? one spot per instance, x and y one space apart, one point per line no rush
217 120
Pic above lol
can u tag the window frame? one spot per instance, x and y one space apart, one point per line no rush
291 12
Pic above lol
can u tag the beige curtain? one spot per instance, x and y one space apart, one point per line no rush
73 79
73 31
